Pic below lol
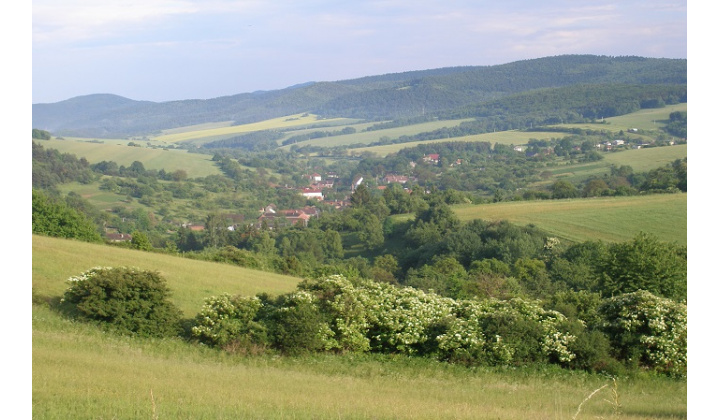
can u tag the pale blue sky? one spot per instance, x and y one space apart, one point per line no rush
163 50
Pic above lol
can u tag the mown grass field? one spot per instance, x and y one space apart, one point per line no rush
644 119
197 135
513 137
80 372
195 164
611 219
641 160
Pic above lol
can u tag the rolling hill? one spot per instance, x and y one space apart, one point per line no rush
446 91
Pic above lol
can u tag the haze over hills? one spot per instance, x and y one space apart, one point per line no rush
444 91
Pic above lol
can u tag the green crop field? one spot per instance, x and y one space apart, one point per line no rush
195 164
81 372
613 219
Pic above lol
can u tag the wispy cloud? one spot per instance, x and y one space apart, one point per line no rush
78 20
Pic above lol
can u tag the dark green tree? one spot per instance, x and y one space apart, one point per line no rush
140 241
54 218
361 196
645 263
563 189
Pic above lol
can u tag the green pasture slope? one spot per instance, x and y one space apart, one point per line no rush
610 219
195 164
55 260
651 119
79 372
201 134
641 160
367 137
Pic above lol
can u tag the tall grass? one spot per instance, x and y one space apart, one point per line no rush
80 372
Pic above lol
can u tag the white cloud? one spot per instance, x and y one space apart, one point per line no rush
77 20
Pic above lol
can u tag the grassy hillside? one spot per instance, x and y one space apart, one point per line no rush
641 160
513 137
80 372
367 137
55 260
645 119
195 164
197 136
613 219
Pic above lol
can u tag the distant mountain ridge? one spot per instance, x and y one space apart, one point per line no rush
377 97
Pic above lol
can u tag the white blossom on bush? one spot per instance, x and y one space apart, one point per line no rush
658 324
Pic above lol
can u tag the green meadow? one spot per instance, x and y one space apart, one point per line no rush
611 219
81 372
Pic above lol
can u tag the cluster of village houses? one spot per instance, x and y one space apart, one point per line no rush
272 217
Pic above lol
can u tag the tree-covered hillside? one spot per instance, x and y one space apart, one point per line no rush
428 92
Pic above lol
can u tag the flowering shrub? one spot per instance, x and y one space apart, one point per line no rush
380 317
127 299
224 318
647 327
336 314
520 331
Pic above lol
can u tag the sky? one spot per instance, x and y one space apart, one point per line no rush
164 50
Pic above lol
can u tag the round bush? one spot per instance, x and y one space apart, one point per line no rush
127 299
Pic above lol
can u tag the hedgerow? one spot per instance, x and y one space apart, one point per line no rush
336 314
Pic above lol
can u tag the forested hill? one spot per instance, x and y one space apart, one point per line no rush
445 91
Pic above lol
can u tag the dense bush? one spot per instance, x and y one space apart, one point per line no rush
297 325
126 299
